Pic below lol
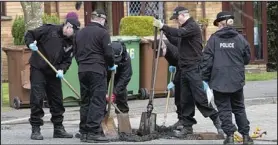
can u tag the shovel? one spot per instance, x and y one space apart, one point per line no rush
167 101
55 70
148 119
108 124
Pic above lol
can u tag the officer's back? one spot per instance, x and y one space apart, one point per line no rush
90 48
229 59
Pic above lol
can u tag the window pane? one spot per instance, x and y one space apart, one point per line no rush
237 10
257 6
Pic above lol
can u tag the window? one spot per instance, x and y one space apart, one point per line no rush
136 8
258 48
237 9
3 8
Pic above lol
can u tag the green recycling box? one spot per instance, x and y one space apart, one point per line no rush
132 44
133 48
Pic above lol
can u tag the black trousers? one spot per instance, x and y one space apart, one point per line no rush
228 103
42 84
192 93
93 88
177 94
121 101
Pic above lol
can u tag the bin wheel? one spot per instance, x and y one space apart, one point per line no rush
16 103
144 94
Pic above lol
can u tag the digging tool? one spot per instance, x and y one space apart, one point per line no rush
167 101
55 70
108 124
148 119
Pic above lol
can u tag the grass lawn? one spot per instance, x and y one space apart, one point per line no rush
260 76
249 77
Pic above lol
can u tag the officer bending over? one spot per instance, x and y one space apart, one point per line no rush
122 77
55 43
225 55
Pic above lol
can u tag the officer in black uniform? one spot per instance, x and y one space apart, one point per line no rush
94 54
188 38
122 77
225 55
55 42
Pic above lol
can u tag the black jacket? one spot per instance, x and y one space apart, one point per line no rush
123 74
172 56
92 49
51 42
225 55
188 39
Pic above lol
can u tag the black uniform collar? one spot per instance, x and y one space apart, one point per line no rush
96 24
189 20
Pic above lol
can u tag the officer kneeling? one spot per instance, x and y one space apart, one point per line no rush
225 55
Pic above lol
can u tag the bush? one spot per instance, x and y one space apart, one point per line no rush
18 27
50 19
137 26
18 30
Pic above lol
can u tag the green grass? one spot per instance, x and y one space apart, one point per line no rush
261 76
5 93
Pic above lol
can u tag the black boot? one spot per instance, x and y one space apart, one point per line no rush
177 125
36 133
229 140
60 132
83 137
96 138
247 140
217 124
181 133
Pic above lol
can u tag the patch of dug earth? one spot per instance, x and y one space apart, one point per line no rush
161 132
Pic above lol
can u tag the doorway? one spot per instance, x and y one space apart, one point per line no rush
114 11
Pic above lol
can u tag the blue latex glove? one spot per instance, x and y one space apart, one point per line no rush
33 46
60 74
172 69
113 68
205 84
170 86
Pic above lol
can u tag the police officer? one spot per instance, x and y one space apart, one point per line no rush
122 77
94 54
225 55
188 38
55 43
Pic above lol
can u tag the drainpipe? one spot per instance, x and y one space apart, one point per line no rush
203 5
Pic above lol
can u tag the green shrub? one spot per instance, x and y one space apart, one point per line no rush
18 27
50 19
137 26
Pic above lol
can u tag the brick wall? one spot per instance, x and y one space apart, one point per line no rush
65 7
212 8
12 9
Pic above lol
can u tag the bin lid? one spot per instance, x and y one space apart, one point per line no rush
15 48
125 38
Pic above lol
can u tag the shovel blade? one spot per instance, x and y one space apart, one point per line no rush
109 128
147 123
124 123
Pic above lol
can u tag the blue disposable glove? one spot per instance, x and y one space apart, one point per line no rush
170 86
206 86
113 68
60 74
33 46
172 69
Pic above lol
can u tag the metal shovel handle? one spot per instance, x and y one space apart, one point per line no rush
55 70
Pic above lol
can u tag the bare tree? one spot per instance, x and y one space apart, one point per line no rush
33 13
